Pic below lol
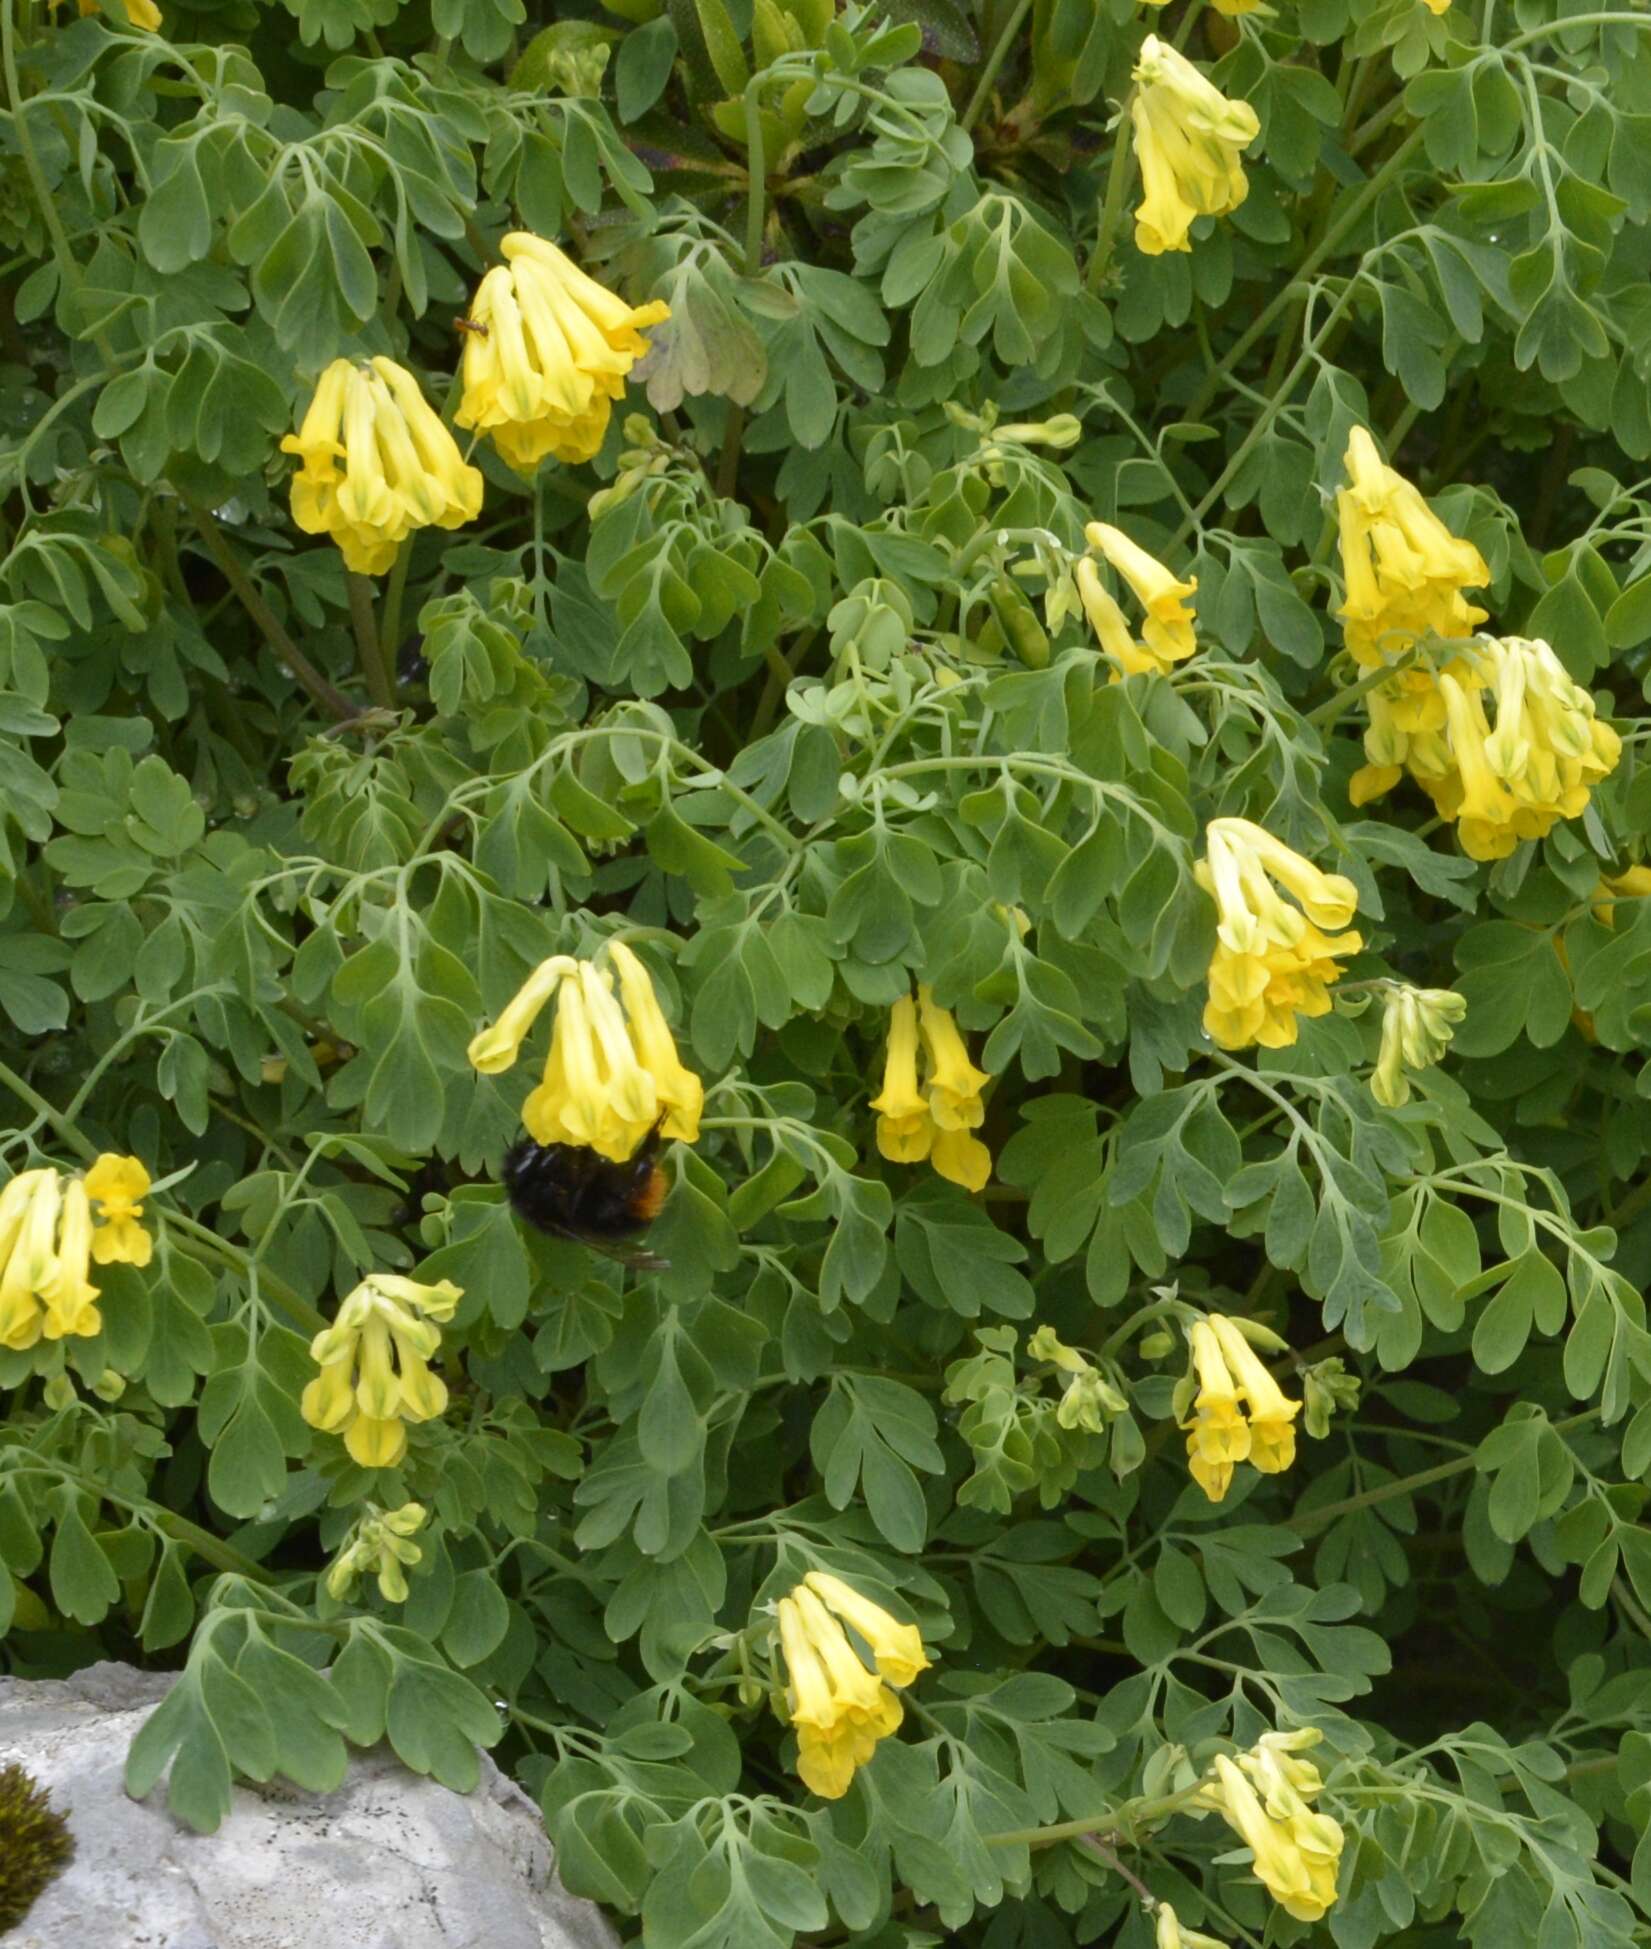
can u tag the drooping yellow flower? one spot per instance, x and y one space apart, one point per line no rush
934 1118
547 354
48 1243
1264 1797
1417 1024
1404 570
119 1184
1169 1933
1270 1414
1434 7
839 1709
378 464
896 1648
1188 141
1166 634
139 13
1218 1437
1273 962
1501 785
375 1366
378 1546
1632 883
613 1073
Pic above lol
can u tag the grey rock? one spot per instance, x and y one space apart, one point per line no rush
389 1861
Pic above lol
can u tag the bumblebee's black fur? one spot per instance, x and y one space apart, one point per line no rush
571 1191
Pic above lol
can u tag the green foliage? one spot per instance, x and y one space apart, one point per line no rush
792 689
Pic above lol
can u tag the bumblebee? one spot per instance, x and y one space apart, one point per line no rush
570 1191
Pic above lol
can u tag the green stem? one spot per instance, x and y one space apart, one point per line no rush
1328 712
1133 1813
1406 1485
65 1130
268 625
1324 248
212 1549
994 61
369 651
756 168
1120 172
389 635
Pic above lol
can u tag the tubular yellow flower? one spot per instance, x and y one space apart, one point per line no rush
1109 623
904 1129
139 13
1188 140
1218 1437
119 1184
1417 1024
379 1547
494 1049
839 1709
548 355
1169 1933
374 1361
933 1118
1404 570
679 1092
1270 1413
48 1243
1272 962
1295 1859
377 464
954 1082
1167 634
896 1647
1632 883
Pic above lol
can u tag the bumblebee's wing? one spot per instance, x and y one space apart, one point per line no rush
626 1255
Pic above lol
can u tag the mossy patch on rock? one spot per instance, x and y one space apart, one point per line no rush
35 1844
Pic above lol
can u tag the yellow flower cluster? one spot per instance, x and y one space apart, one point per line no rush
378 463
1240 1413
1166 635
1417 1024
1265 1797
613 1073
1404 570
1272 961
1538 765
375 1366
1188 140
378 1546
547 354
934 1117
49 1242
841 1710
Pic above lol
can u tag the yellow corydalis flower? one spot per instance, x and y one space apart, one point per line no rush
1505 784
1417 1024
1264 1796
1240 1413
378 464
49 1240
840 1709
547 354
1168 1932
379 1547
933 1118
1404 570
375 1366
613 1072
1167 632
1188 141
139 13
1273 961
